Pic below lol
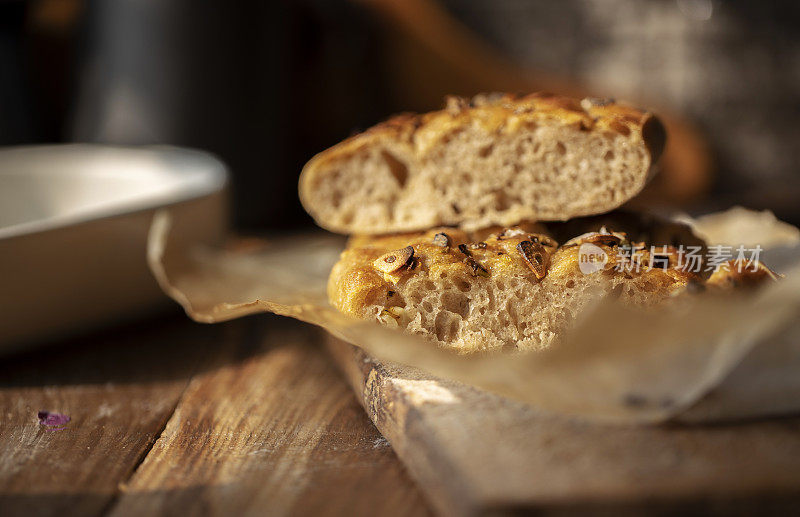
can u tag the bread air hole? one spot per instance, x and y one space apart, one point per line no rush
456 303
486 150
398 169
446 325
502 201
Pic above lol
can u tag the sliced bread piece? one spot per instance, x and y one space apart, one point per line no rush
515 289
495 159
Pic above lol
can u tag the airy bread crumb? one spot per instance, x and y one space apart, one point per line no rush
481 292
492 160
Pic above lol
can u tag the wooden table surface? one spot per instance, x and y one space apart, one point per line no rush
173 417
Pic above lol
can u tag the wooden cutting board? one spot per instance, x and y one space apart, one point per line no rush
473 452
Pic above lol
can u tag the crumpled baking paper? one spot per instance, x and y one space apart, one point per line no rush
717 358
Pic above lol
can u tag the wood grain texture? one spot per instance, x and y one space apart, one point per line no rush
171 417
119 400
473 452
270 427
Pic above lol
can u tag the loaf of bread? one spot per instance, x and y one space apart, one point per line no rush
508 289
493 160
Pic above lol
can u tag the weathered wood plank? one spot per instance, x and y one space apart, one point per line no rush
475 452
270 427
119 388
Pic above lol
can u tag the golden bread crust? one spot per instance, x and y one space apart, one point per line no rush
356 283
497 111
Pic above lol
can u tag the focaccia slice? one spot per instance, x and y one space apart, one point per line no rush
512 288
494 159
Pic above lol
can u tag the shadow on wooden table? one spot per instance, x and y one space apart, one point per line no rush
170 416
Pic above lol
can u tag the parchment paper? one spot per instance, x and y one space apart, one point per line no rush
719 357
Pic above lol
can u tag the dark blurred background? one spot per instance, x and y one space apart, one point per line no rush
266 84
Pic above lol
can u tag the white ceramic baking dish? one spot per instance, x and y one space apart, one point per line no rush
73 232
